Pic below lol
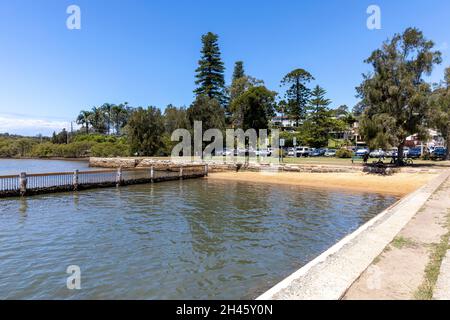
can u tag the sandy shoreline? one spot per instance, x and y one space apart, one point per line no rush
399 184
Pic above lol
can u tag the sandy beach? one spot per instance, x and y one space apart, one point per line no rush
399 184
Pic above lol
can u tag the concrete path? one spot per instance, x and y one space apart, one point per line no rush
442 290
408 266
329 276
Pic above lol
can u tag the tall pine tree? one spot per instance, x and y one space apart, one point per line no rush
210 73
238 70
297 94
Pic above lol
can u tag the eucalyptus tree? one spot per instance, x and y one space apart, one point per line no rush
145 129
395 93
254 108
440 110
208 111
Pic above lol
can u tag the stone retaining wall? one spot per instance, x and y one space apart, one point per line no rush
221 167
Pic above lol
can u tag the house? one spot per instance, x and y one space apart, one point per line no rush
283 122
435 139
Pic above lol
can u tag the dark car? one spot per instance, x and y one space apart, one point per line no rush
318 153
439 153
415 153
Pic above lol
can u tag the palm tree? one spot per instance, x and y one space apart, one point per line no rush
97 120
83 119
106 109
119 116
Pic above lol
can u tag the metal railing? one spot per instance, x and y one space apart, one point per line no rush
28 184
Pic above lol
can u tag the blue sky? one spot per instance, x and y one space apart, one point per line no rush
145 51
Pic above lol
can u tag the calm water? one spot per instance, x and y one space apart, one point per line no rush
195 239
16 166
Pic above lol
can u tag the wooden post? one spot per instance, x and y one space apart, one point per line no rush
23 183
152 173
75 180
206 170
119 177
181 173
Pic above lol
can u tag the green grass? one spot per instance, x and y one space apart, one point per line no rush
402 242
426 289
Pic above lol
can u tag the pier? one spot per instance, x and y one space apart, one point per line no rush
32 184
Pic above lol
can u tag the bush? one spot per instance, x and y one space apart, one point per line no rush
109 149
344 154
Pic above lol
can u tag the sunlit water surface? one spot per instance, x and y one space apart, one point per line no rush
193 239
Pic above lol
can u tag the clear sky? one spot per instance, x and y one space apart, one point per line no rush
145 51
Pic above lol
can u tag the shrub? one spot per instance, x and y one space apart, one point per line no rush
109 149
344 153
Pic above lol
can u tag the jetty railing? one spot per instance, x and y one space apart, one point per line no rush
31 184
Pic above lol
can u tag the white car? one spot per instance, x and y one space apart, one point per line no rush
226 152
377 153
362 152
330 153
291 152
302 152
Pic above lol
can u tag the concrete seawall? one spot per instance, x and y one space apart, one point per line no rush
330 275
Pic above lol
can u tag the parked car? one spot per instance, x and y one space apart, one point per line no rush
225 152
361 152
330 153
415 153
264 153
377 154
291 152
302 152
406 152
318 152
393 152
439 153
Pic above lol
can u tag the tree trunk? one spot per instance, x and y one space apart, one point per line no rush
400 153
447 145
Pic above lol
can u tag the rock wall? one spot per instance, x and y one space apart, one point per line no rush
218 166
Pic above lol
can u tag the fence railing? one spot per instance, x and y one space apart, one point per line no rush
29 184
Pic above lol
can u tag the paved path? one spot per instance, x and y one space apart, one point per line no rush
402 271
442 290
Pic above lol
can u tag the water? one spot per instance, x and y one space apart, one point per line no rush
193 239
16 166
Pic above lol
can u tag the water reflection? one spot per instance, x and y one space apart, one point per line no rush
23 207
192 239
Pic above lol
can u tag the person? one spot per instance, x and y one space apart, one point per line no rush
366 157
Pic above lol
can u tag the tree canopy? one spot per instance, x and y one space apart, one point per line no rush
210 72
395 90
297 93
145 130
254 108
440 110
